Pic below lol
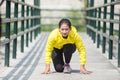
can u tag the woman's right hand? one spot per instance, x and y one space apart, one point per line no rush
47 69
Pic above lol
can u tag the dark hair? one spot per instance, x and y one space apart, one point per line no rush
66 21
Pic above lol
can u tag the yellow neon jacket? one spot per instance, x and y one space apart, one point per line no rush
55 40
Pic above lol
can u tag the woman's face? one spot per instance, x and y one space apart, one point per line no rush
64 29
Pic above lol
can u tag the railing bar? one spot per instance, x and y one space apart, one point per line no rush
7 20
25 4
105 5
14 36
103 34
104 20
62 10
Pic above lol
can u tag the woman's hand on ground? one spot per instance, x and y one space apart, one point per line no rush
83 70
47 69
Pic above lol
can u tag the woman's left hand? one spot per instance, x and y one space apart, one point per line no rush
83 69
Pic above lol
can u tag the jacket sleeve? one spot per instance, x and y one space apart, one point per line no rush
81 49
49 48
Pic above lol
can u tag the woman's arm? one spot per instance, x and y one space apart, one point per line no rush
82 52
48 55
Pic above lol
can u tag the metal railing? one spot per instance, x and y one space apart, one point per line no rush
28 19
103 25
28 22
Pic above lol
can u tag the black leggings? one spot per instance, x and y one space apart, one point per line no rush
57 56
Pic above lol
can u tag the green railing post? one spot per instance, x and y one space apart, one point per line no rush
40 18
87 20
111 31
94 25
35 21
27 27
88 23
38 13
31 25
98 28
91 3
15 30
0 26
22 28
104 28
91 15
39 21
7 34
119 43
91 24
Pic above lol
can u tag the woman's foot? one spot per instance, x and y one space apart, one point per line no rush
67 68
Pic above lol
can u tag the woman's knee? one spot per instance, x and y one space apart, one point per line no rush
59 68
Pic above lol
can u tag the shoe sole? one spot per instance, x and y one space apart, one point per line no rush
68 72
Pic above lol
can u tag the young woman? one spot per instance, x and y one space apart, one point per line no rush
63 41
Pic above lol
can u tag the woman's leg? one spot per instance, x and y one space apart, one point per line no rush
57 58
68 50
